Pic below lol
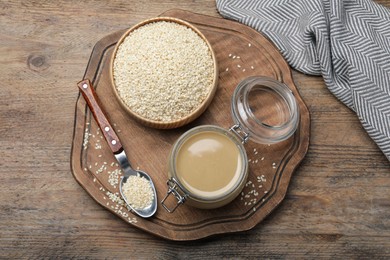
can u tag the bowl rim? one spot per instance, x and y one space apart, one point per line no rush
189 117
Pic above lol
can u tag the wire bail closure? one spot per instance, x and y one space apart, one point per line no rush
172 189
241 134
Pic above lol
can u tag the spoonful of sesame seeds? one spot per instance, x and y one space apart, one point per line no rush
136 187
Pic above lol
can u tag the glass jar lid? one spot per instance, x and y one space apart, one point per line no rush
265 109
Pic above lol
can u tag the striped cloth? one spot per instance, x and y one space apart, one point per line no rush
345 41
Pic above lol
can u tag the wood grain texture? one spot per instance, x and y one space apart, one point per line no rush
337 205
241 52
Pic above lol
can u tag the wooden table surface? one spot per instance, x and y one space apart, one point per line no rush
337 205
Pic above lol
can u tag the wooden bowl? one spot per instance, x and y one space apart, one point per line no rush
184 119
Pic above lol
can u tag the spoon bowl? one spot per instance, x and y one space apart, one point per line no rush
144 212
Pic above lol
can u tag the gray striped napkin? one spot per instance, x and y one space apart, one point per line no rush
345 41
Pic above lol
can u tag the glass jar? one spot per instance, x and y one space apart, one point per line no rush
208 165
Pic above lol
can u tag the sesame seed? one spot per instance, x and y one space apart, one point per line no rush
138 192
163 71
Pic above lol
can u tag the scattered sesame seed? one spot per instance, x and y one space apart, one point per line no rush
227 69
113 177
132 220
238 65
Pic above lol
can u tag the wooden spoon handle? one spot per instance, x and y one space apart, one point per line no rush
92 99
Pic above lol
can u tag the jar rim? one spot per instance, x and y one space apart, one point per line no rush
258 130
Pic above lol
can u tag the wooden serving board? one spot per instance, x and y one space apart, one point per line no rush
241 52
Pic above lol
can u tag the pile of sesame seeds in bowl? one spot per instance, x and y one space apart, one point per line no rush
164 72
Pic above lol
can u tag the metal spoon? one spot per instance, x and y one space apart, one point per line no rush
116 147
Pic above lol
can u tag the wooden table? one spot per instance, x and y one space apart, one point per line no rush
337 205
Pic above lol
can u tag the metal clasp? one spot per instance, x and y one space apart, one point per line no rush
241 134
172 189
